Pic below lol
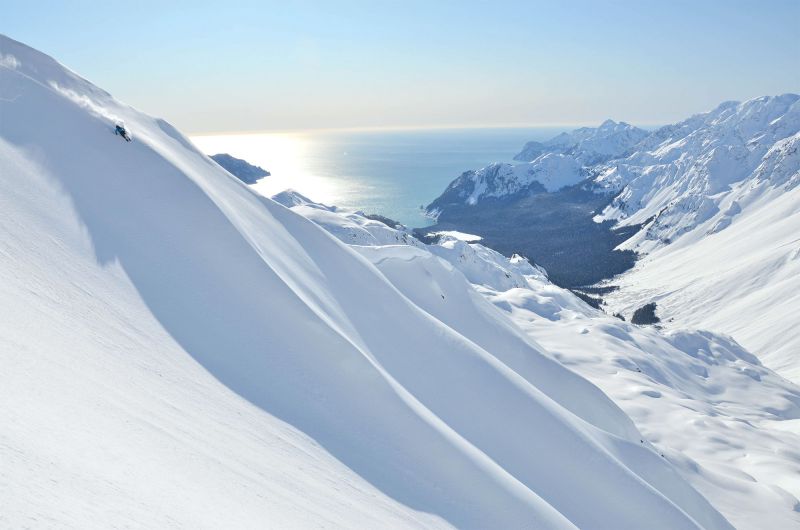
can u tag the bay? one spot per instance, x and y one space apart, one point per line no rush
391 173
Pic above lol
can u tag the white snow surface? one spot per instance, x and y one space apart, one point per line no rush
460 236
730 425
719 198
179 352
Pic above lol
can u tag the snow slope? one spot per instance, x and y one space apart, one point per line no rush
743 280
720 200
730 425
179 352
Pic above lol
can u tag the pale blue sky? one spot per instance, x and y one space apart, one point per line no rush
260 65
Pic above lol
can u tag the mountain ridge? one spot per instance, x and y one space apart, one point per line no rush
704 182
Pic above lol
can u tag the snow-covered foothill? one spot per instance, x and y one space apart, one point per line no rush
350 226
549 172
728 423
455 234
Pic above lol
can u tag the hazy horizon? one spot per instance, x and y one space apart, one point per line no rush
411 128
310 66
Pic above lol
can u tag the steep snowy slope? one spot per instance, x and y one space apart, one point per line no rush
179 352
728 423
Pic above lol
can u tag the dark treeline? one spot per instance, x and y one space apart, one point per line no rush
555 230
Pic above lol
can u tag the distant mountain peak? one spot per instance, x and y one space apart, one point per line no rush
589 145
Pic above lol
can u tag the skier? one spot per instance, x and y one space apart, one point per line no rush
120 130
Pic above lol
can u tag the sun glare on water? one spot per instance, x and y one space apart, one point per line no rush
287 156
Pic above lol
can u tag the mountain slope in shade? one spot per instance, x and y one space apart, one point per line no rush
180 352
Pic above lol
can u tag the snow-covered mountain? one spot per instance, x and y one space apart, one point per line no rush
589 145
711 408
178 351
705 168
713 206
549 172
551 165
719 200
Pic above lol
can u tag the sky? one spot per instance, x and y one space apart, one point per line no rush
297 65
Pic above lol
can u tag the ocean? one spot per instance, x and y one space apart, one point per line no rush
391 173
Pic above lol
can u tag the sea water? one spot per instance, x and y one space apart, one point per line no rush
392 173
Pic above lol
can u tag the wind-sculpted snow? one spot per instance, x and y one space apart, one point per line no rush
180 352
708 406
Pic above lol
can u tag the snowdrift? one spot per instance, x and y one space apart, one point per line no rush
180 352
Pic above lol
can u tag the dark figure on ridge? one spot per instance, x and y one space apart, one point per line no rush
120 130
